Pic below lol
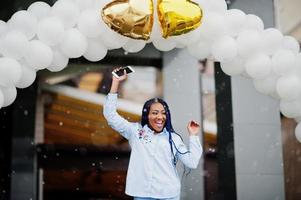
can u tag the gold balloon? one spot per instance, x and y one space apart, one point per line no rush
178 16
131 18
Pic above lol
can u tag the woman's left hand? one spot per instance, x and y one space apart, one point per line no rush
193 128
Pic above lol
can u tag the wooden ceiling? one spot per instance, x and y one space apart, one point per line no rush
73 121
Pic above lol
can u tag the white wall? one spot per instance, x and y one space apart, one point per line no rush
257 143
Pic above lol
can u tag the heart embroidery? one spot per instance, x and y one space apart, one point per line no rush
131 18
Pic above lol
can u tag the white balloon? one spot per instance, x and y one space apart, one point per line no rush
39 9
133 46
39 55
219 6
86 4
200 50
290 43
258 66
283 61
156 35
180 45
213 26
189 38
1 48
51 31
253 22
271 40
266 86
102 3
1 98
89 23
96 50
298 62
156 30
67 11
235 20
28 76
24 22
10 72
59 61
275 95
224 49
233 67
298 132
14 44
248 43
289 87
290 109
111 39
164 44
10 94
74 43
3 28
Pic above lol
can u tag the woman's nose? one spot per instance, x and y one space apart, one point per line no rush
160 116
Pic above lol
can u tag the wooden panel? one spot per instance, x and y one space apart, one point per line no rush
64 135
89 107
74 101
86 125
79 122
67 110
210 138
292 160
73 121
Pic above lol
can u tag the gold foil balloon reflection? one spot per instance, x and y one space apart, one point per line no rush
131 18
178 16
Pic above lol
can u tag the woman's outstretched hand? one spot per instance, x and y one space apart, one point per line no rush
116 81
193 128
121 78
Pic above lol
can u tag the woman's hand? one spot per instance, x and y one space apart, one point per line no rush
116 81
193 128
121 78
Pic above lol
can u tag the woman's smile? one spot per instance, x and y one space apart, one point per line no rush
157 117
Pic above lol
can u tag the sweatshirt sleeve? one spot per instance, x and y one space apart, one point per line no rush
192 157
114 120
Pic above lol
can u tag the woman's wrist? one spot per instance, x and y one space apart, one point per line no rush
192 137
114 86
194 134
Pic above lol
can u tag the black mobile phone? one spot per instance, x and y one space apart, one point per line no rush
120 72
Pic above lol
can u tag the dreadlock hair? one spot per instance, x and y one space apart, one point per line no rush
168 125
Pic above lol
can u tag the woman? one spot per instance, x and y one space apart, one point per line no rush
155 148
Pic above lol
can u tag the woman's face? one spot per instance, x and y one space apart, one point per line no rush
157 117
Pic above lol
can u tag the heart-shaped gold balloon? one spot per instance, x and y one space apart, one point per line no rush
131 18
178 16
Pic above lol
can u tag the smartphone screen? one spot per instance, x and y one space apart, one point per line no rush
120 72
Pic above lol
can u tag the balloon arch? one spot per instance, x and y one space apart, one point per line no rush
46 37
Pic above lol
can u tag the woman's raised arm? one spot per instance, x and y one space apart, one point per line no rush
114 120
